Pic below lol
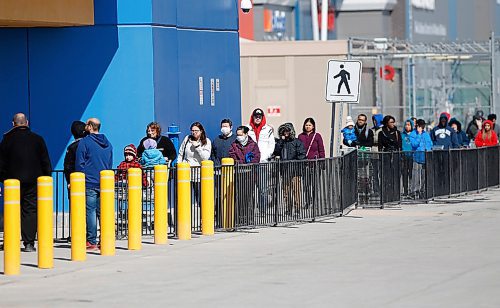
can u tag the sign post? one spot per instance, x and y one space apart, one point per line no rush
342 86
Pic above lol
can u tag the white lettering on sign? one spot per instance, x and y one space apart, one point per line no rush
217 85
200 87
424 4
430 29
274 111
212 92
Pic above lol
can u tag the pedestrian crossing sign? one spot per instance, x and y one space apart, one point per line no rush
343 81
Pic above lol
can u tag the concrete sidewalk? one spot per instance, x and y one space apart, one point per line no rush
438 255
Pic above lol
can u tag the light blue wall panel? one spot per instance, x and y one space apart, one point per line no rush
213 14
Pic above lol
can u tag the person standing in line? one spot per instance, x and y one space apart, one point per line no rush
94 154
486 137
496 128
222 144
244 150
166 147
377 120
443 135
312 140
463 140
350 138
407 157
475 125
262 133
363 133
78 132
421 142
389 137
24 156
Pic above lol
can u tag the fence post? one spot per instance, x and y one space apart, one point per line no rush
134 209
12 227
78 217
381 180
207 197
228 193
45 222
107 213
477 167
161 204
183 201
278 194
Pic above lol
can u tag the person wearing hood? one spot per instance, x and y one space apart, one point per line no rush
486 136
78 131
244 150
475 125
463 140
222 144
24 156
389 137
289 148
364 135
377 120
151 156
407 157
94 154
421 142
163 143
262 133
349 133
443 135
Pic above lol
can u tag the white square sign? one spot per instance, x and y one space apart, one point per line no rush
343 81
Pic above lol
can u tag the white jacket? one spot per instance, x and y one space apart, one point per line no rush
266 142
194 155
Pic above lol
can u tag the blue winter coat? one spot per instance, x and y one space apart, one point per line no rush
349 135
151 158
94 154
444 135
405 136
420 143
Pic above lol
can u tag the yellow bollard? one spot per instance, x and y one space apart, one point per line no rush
228 193
161 204
107 186
183 201
45 219
78 217
134 209
207 197
12 227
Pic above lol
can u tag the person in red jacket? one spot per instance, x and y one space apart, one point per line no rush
486 136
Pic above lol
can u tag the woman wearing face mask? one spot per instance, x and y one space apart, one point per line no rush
244 150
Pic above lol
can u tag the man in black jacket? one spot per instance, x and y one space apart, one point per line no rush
363 133
24 156
78 132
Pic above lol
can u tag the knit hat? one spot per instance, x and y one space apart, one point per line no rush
349 121
130 149
149 144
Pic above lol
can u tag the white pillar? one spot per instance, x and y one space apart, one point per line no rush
324 20
314 16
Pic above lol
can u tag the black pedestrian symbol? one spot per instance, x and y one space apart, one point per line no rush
344 76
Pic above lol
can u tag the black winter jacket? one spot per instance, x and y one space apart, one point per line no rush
23 156
289 149
389 140
70 159
364 135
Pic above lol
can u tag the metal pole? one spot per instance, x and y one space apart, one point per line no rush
493 71
314 16
324 20
332 130
413 88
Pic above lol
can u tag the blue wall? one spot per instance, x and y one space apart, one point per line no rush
140 62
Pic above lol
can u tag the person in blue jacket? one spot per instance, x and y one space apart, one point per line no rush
420 142
443 135
151 155
463 140
407 157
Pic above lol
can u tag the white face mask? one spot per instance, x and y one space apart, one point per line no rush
225 130
242 139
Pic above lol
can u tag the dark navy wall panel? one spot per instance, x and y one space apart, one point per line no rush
166 80
101 71
208 54
165 12
13 75
212 14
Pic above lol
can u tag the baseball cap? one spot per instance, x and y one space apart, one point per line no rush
258 112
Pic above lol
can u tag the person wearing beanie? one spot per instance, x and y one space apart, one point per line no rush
463 140
349 133
130 161
486 136
262 133
78 132
443 135
151 155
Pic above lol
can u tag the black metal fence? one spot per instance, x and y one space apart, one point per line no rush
394 177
